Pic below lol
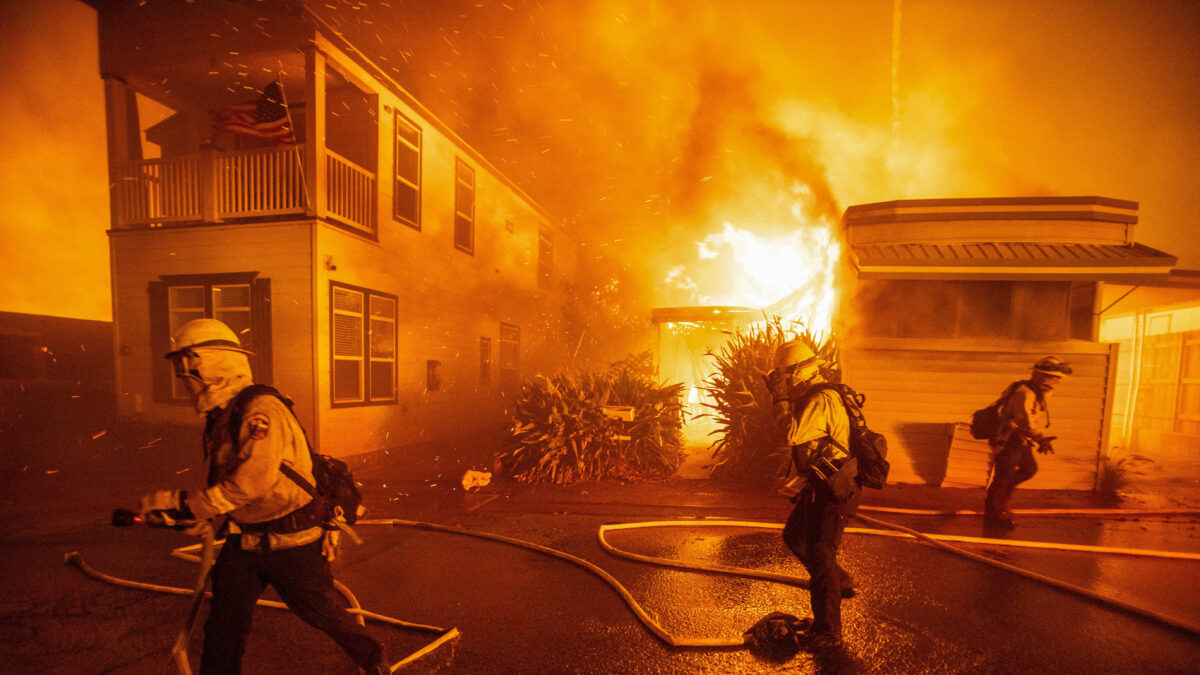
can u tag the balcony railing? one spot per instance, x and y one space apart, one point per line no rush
351 192
215 186
261 182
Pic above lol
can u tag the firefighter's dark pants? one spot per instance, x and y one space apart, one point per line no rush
1014 465
302 578
813 533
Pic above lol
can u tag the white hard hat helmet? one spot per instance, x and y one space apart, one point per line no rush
204 334
796 354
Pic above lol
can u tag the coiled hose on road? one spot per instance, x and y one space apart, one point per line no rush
662 634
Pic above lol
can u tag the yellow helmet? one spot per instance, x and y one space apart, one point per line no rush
795 354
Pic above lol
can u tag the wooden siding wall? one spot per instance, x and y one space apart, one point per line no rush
447 299
916 393
279 252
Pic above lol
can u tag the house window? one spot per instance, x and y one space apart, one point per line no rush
363 346
485 360
238 300
545 255
1020 310
406 202
464 207
510 357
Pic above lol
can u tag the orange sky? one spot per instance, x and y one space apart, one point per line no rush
648 124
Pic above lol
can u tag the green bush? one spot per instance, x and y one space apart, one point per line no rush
561 435
749 444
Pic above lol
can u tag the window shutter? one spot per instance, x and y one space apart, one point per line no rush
260 318
161 370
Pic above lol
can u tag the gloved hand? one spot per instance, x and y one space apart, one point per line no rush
1045 447
777 384
164 507
203 529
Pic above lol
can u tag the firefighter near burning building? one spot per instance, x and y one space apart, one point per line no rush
1022 418
816 426
256 449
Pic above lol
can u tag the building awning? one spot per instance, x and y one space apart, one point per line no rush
1012 261
703 314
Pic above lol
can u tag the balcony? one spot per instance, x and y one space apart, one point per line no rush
262 183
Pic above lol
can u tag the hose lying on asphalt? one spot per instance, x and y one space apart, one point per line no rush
935 539
656 628
783 578
447 635
648 621
1057 583
1038 512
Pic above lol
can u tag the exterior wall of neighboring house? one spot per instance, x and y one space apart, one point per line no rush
387 325
921 394
957 298
1156 403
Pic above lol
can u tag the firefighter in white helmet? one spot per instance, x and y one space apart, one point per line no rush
1024 420
276 534
817 429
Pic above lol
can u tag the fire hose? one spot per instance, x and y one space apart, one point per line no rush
207 547
662 634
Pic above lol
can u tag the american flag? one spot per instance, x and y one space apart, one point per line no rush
267 117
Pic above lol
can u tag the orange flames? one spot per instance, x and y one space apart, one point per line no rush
790 275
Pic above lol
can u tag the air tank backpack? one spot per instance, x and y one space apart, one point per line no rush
985 422
867 447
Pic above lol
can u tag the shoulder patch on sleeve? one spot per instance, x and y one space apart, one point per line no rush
258 425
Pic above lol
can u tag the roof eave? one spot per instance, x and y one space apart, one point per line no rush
1111 274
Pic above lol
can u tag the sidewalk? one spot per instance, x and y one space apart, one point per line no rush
687 497
430 476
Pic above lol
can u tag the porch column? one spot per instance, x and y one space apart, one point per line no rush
314 122
124 138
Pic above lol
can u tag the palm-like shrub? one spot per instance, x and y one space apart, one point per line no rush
560 433
1118 470
749 442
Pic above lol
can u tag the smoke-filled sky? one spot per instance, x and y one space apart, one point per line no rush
650 123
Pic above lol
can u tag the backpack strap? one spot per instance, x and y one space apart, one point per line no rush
237 409
844 392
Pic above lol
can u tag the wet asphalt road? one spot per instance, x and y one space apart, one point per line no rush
918 610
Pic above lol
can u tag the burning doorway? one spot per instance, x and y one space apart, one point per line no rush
685 338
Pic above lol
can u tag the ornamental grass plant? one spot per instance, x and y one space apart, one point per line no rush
749 444
560 433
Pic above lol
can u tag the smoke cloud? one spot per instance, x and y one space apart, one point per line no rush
650 124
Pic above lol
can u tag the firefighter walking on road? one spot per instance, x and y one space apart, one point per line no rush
817 429
1024 419
276 530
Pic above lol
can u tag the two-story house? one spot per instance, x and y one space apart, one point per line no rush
384 273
